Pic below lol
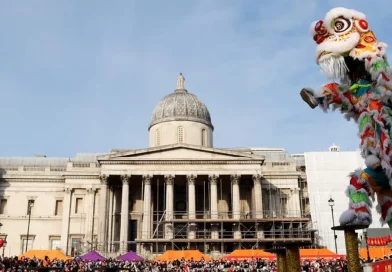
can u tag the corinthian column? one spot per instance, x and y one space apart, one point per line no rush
124 214
169 206
102 219
146 230
65 219
258 196
235 179
214 196
191 206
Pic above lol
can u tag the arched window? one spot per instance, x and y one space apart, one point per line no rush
157 137
203 137
180 135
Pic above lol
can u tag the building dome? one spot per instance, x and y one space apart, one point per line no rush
181 118
181 106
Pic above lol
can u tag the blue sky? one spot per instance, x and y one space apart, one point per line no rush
85 76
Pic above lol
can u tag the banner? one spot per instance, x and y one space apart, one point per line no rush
382 266
379 241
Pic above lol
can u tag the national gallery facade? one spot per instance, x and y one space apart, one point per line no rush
178 193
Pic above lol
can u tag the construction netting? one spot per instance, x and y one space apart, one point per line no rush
172 255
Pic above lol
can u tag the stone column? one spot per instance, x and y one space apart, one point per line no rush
258 197
214 211
191 206
214 196
90 197
102 219
110 223
146 229
65 219
169 206
278 207
235 179
124 214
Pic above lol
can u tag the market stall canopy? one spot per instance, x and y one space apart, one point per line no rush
172 255
91 256
375 252
318 253
244 254
130 256
40 254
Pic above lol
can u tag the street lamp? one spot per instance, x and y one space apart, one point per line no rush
367 245
30 205
331 203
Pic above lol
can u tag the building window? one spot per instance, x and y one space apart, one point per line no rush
30 206
3 206
29 244
157 138
203 137
54 243
76 247
59 207
180 132
79 205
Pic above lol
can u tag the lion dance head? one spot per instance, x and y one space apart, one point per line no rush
347 48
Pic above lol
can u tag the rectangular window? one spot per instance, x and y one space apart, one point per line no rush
55 244
30 206
79 205
29 244
76 246
3 206
58 208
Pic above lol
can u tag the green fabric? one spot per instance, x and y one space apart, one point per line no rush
363 121
357 197
390 224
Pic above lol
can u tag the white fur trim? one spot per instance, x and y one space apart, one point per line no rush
337 47
371 161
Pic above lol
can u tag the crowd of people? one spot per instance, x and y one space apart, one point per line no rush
28 265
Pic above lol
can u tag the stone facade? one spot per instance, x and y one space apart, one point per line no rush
175 194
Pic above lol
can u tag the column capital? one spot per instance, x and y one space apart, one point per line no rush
104 179
147 179
213 179
235 178
125 179
191 179
91 190
67 190
257 178
169 179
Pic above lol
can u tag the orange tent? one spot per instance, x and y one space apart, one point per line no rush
318 253
172 255
375 252
244 254
40 254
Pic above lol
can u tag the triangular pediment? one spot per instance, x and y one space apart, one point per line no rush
178 152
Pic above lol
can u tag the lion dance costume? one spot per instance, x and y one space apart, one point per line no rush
349 53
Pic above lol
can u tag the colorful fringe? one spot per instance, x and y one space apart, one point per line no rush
359 211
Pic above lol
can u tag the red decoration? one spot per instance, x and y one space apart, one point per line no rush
363 24
1 243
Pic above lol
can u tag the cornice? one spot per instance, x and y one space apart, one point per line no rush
81 176
181 162
49 180
283 176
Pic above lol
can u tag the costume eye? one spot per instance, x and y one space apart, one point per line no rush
341 25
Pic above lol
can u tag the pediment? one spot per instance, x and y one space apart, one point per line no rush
178 152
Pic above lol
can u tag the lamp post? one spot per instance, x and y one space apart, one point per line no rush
367 245
30 205
4 245
331 203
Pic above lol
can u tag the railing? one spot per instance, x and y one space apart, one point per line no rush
198 215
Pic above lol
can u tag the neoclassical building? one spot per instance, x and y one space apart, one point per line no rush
179 193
